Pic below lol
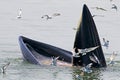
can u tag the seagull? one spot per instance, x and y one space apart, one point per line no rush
47 17
74 28
19 14
114 7
87 68
54 61
112 57
86 50
98 8
3 69
94 58
97 15
106 43
75 52
56 14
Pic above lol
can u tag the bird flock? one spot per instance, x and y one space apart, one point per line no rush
105 44
47 17
87 68
112 7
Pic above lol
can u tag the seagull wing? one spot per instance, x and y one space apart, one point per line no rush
89 65
57 58
6 65
81 50
86 50
91 49
103 9
92 59
112 57
96 58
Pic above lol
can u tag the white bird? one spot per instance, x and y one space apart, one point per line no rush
86 50
94 58
54 61
114 7
19 14
47 17
75 54
112 57
3 69
87 68
105 43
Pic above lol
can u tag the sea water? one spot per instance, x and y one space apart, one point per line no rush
57 31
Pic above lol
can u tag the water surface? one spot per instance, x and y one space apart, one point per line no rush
58 32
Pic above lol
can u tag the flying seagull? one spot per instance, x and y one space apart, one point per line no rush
105 43
97 15
74 28
50 17
86 50
56 14
19 14
114 7
112 57
3 69
54 61
47 17
99 8
87 68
